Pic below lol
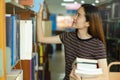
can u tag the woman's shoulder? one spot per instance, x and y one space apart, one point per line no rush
98 41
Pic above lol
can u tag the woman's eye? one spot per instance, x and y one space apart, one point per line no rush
78 14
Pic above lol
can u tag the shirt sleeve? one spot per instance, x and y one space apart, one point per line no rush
101 52
63 37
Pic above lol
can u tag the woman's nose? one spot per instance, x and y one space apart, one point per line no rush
74 18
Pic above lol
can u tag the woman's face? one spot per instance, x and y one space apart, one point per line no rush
79 21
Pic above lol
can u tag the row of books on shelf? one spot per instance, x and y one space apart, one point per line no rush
18 74
31 68
33 5
21 36
87 67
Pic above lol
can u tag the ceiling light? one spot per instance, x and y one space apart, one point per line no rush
97 1
63 4
68 0
82 1
75 2
93 4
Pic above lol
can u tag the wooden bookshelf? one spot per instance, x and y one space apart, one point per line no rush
13 8
25 14
25 66
2 37
9 8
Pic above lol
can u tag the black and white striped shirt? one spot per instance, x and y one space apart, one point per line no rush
84 48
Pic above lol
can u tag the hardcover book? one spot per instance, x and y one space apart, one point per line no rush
26 39
8 60
15 74
83 60
84 72
87 67
11 24
26 2
1 63
36 6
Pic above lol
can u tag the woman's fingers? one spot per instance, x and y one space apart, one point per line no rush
40 10
41 7
73 75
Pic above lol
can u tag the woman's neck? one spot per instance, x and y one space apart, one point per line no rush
83 34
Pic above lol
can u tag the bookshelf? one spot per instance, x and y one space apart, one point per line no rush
2 37
111 20
14 8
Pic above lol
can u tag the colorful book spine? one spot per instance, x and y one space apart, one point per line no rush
1 63
11 36
41 54
13 40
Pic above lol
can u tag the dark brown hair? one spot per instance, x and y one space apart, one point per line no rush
93 17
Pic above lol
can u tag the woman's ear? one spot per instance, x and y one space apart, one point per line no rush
87 24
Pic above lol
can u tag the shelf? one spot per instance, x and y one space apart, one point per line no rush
13 7
105 2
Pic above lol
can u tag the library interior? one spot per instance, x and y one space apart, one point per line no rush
22 57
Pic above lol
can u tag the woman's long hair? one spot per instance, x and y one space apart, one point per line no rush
93 17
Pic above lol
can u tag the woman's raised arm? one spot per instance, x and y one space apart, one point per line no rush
40 35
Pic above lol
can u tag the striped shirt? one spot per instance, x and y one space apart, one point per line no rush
84 48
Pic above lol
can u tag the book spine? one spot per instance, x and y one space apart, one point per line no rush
1 63
13 40
86 60
88 66
26 39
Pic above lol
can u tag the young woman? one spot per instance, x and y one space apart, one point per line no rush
87 41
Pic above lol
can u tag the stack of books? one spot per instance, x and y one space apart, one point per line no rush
87 67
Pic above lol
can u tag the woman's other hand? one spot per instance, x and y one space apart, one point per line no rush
73 75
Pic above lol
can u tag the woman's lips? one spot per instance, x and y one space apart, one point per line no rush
73 23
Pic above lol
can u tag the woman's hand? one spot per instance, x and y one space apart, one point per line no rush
73 75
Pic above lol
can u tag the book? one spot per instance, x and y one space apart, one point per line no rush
87 67
8 60
34 65
1 63
28 3
36 6
89 72
15 74
25 39
83 60
11 25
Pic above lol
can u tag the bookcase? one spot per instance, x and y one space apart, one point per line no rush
111 24
2 38
14 8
